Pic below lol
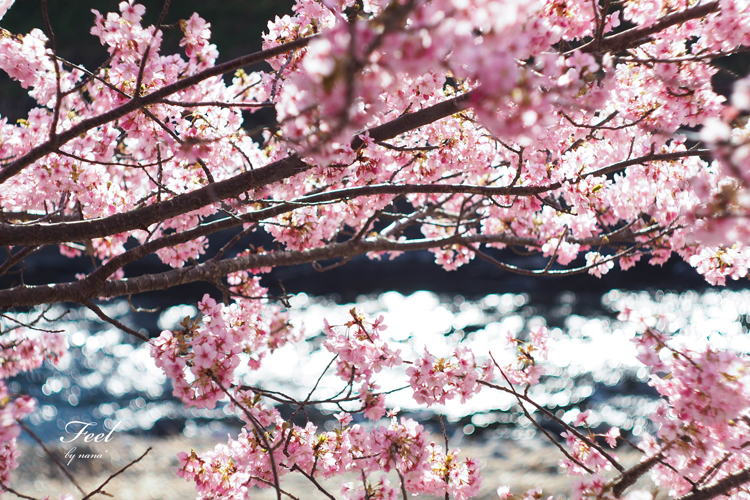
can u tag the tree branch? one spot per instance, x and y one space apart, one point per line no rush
628 38
52 456
85 290
720 487
97 310
139 102
142 218
101 486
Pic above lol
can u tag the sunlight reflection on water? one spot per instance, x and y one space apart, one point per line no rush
108 378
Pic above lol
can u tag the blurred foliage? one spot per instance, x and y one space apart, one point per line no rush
236 28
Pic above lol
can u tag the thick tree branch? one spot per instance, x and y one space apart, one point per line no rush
411 121
139 102
142 218
631 37
720 487
629 477
85 290
398 189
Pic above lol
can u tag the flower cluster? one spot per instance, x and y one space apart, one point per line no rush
360 350
381 490
8 456
448 475
528 370
582 454
201 358
230 469
436 381
21 350
707 396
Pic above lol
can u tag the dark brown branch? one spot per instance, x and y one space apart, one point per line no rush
420 118
629 477
34 217
406 149
269 483
617 167
97 310
58 91
88 289
16 258
113 163
566 272
30 326
552 416
720 487
537 424
260 431
83 291
631 37
401 482
601 126
136 103
313 481
14 492
283 398
691 58
218 104
144 217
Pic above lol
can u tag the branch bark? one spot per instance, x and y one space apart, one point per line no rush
85 290
62 232
629 38
720 487
142 218
139 102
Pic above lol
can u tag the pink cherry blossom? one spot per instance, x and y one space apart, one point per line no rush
561 128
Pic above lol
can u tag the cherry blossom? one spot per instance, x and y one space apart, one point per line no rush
566 129
440 380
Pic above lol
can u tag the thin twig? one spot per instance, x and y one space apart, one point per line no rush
537 424
261 433
313 481
237 237
52 456
111 477
400 477
96 310
58 91
551 415
20 495
269 483
554 253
